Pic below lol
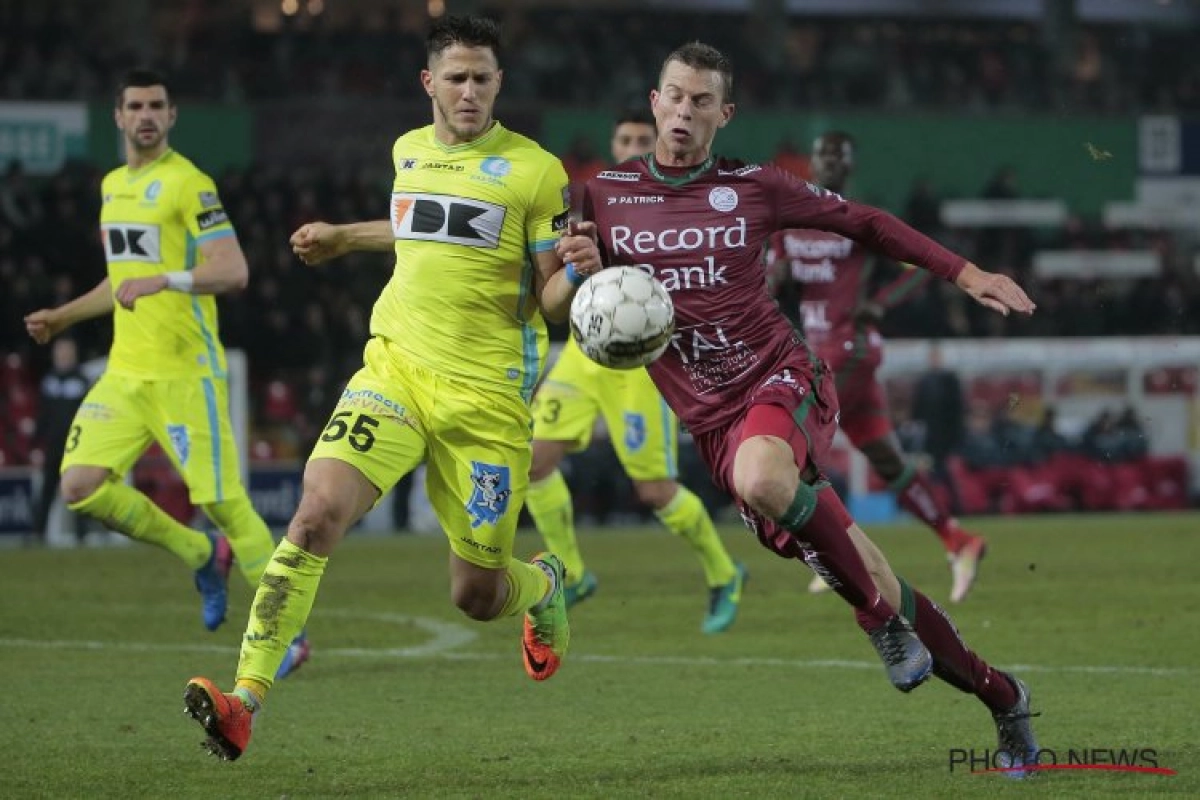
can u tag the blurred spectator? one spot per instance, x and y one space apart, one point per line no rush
60 393
938 407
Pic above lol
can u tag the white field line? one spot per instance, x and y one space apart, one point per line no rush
446 639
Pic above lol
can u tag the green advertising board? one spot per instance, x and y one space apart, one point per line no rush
1087 162
40 136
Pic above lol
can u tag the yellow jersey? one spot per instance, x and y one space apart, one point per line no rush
153 220
467 221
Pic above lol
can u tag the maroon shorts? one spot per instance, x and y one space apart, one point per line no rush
813 406
865 416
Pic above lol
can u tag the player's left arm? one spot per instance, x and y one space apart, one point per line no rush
221 266
564 252
803 205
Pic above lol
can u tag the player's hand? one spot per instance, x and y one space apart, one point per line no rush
318 242
578 246
129 291
43 325
868 313
993 290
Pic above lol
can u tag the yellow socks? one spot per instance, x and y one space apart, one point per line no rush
549 503
280 611
248 535
130 512
686 517
527 586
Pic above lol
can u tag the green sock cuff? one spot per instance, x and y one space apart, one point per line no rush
87 504
907 476
803 506
681 497
292 556
248 698
908 603
552 479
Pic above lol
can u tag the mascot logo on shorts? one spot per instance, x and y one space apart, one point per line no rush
180 443
635 431
489 501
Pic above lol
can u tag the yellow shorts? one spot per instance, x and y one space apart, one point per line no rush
644 430
475 440
188 417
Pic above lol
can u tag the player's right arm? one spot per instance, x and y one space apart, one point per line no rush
44 324
802 205
318 242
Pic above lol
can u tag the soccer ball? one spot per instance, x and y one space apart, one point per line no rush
622 318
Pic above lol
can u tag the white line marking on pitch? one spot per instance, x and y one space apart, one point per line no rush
447 637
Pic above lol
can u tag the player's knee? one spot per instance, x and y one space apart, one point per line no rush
318 524
476 599
656 494
79 483
547 456
763 478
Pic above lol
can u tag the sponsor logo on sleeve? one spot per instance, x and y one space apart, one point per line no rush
211 219
406 163
209 200
447 219
740 171
614 175
560 221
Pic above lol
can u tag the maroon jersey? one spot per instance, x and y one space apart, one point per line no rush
832 274
701 232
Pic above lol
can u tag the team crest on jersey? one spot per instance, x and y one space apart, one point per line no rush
152 192
448 219
495 166
180 442
722 198
635 430
489 500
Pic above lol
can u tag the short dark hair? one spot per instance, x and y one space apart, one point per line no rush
143 78
467 31
699 55
637 116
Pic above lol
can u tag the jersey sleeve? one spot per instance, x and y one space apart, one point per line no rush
550 209
802 205
902 288
202 211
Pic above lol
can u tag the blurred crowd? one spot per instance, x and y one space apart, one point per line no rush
303 328
602 56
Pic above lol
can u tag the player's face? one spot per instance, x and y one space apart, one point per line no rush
145 116
632 139
689 107
463 82
832 162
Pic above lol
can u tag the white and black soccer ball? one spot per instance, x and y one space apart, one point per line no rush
622 318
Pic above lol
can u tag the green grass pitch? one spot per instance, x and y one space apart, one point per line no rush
405 697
